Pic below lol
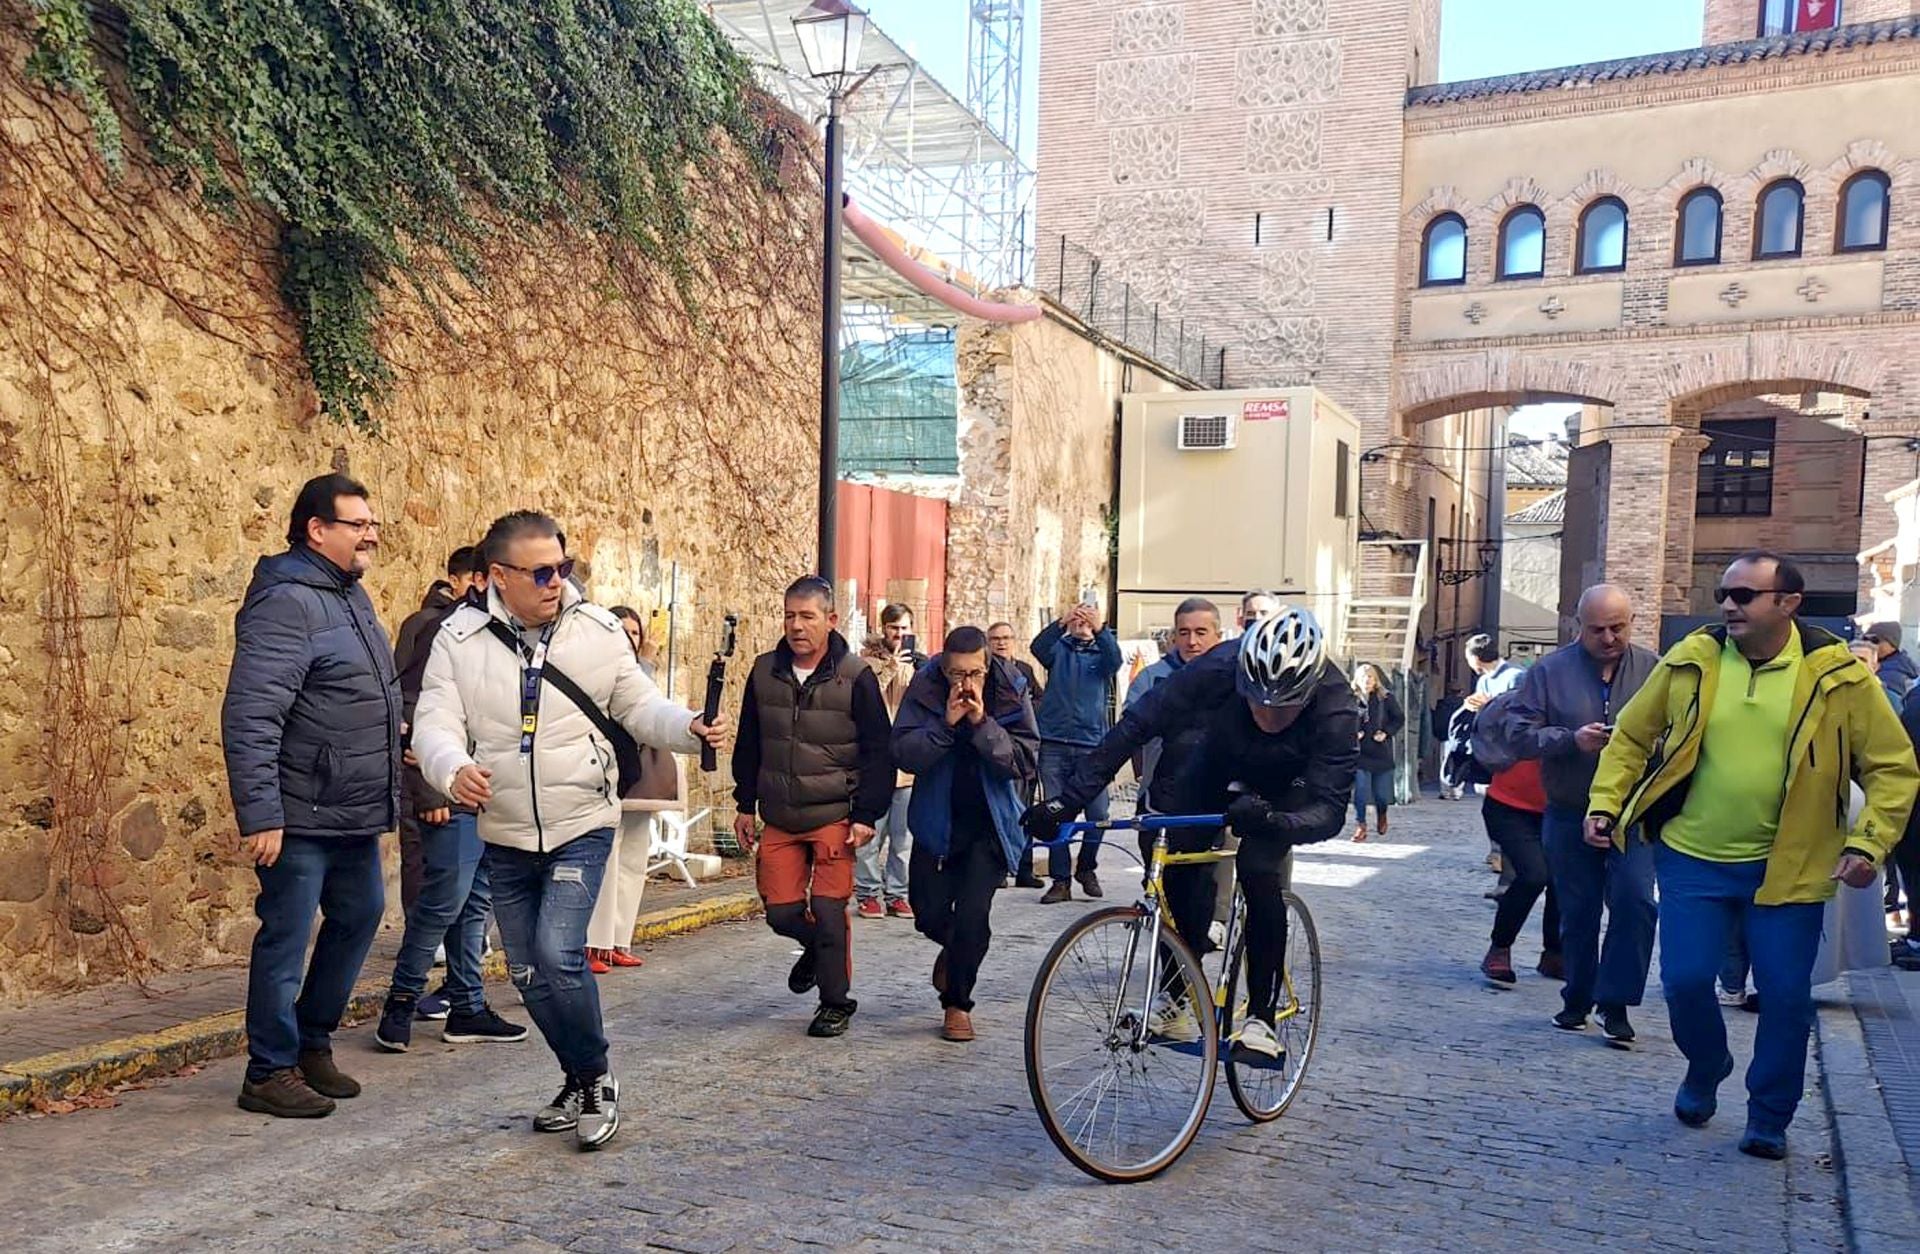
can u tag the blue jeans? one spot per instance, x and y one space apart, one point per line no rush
1700 901
452 906
1057 762
1584 880
542 903
1371 788
339 876
891 832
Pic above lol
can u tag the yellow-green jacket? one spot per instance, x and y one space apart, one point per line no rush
1843 728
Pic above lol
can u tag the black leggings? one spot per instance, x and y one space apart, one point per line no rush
1266 940
1906 857
1517 832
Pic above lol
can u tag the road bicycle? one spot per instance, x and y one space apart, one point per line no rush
1120 1066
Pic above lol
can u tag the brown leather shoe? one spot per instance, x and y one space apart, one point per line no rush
940 972
284 1095
316 1066
958 1026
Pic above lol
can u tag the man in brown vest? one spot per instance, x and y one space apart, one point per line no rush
812 759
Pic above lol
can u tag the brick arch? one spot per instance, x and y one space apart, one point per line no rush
1767 363
1778 163
1695 172
1500 377
1523 190
1869 154
1443 199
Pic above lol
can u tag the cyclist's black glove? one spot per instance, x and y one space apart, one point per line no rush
1252 816
1044 820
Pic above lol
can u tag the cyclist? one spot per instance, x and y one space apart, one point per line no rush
1278 761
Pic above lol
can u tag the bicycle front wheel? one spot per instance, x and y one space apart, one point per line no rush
1264 1087
1120 1073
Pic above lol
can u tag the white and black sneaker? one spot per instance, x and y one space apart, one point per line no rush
481 1027
599 1113
563 1112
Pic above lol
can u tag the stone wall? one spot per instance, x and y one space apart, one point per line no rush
156 419
1029 528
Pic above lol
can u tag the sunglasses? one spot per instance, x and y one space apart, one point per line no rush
543 575
1741 596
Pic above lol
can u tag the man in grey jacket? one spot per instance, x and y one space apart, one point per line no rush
311 730
1562 715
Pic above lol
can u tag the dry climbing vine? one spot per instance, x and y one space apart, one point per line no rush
373 132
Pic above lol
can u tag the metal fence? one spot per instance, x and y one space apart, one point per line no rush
1077 280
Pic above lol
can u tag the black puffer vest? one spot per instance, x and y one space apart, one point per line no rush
809 743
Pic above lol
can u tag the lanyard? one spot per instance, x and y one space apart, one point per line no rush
536 659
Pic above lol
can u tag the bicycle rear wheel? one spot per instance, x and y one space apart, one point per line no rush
1120 1102
1264 1087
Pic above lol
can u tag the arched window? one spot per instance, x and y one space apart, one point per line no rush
1696 236
1443 251
1778 221
1523 244
1863 212
1603 236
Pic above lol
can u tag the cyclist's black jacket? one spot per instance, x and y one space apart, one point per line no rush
1173 712
1304 773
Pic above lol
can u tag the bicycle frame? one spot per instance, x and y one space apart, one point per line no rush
1154 905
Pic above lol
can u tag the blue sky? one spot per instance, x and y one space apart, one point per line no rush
1478 37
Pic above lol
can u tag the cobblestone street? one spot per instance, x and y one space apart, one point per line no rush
1439 1114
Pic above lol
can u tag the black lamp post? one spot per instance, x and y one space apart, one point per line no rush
830 32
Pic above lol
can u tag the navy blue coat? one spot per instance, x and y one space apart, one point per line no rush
311 723
1006 742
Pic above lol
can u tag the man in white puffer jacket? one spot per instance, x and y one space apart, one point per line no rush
496 729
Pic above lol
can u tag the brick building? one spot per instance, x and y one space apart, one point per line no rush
1715 251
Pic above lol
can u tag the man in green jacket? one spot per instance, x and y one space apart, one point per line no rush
1696 764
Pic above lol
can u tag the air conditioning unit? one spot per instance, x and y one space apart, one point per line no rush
1206 432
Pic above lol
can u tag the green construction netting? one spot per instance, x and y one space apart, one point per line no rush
898 405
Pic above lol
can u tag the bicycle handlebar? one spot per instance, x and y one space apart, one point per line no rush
1143 823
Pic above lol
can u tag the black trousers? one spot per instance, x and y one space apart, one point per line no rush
952 898
1517 832
1906 858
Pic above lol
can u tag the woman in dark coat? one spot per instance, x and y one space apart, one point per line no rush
1380 721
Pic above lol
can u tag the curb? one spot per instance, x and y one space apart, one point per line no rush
76 1072
1878 1207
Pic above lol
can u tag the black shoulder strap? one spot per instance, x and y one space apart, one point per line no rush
564 682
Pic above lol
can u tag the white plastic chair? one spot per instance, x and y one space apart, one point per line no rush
670 827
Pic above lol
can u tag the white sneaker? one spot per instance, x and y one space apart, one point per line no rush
562 1112
599 1113
1173 1020
1255 1035
1729 997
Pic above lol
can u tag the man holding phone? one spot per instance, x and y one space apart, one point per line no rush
1737 758
1562 715
880 868
1081 658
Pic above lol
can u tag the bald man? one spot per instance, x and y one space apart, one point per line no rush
1562 714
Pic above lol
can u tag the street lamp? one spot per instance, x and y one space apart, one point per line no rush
830 32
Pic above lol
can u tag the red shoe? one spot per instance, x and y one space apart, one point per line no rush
869 908
597 961
625 958
899 909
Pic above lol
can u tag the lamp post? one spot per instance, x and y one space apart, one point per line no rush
830 32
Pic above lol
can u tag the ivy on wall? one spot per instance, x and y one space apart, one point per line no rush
374 131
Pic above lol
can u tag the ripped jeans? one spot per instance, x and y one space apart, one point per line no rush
542 903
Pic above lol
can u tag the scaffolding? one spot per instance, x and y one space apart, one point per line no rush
898 398
917 157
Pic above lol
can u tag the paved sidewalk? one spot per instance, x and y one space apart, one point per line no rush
121 1031
1887 1003
1439 1115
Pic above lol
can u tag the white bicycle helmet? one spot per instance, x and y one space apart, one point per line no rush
1281 659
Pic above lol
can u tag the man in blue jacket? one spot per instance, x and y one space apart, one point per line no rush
311 728
966 734
1081 658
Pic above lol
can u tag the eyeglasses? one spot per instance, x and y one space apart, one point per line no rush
359 526
964 677
543 575
1741 596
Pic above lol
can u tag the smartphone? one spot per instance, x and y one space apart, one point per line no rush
910 643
